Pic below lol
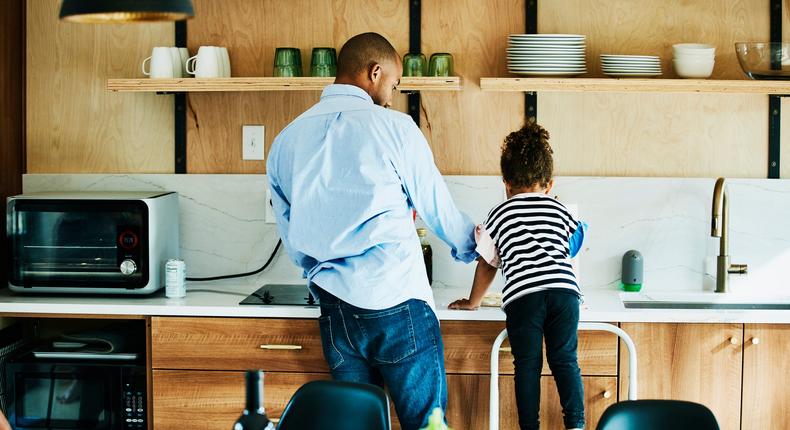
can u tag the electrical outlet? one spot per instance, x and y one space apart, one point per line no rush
269 209
252 142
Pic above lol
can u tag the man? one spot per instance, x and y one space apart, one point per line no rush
344 177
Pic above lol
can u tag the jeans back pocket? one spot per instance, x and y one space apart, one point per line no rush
333 357
389 334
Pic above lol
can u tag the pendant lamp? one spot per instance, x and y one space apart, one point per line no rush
120 11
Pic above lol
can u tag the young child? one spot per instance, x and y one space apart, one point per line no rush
532 238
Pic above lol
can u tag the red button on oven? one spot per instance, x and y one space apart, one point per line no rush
128 240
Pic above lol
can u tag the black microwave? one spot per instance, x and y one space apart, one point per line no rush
76 394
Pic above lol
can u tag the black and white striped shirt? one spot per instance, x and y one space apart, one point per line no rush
532 234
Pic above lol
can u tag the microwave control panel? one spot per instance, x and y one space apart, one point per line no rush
134 415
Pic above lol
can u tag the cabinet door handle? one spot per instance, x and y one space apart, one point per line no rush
755 341
733 340
607 394
281 347
505 349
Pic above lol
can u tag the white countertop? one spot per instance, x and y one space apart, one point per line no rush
220 299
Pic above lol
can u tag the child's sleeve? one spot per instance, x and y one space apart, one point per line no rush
486 246
577 238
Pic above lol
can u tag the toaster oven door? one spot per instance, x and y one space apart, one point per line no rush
78 243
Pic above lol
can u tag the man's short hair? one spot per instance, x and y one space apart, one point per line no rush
363 50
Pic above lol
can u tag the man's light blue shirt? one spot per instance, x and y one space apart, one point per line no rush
344 177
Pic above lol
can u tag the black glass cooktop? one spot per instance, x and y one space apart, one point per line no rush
281 294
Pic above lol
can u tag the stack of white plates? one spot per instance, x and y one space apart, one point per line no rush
631 65
546 54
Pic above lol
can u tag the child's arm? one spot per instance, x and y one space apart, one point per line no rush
484 275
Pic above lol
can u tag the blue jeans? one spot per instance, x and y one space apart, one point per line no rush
555 316
399 347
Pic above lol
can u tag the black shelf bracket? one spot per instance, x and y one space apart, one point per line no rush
775 101
531 97
415 47
180 123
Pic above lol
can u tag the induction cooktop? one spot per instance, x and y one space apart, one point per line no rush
281 294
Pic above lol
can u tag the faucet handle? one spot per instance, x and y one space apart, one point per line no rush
738 268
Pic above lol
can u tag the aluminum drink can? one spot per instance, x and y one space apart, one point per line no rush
175 278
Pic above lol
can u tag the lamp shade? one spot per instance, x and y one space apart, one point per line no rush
114 11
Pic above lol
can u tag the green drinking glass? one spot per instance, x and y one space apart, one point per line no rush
287 62
441 64
287 71
415 65
323 62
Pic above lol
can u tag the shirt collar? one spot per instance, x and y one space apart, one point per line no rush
530 195
345 90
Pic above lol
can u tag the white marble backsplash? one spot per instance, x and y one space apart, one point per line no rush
223 228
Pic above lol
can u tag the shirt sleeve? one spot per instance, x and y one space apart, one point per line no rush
577 238
427 192
282 214
486 246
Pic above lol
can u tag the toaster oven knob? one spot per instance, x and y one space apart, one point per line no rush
128 267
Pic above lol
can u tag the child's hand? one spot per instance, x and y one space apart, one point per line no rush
463 304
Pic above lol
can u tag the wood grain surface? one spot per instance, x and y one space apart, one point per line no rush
252 29
74 125
214 400
235 344
467 349
766 377
694 362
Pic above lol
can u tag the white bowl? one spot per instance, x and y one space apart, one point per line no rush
693 68
693 49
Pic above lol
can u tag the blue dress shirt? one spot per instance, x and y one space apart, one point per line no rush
344 177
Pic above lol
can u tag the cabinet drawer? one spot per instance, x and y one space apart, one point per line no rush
286 345
200 400
468 345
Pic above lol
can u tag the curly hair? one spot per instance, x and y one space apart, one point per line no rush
527 157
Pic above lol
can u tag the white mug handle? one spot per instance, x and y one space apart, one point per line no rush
145 61
192 60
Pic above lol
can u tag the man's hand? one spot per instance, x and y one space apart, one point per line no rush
463 304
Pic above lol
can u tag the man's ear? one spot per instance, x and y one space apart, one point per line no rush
374 72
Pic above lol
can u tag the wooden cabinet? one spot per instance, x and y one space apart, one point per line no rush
201 400
695 362
198 364
766 377
467 350
468 401
272 345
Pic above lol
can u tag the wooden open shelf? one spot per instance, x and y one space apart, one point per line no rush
182 85
627 85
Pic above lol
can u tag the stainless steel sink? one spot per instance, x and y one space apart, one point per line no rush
697 305
704 301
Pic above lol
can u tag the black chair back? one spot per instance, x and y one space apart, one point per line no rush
657 415
336 405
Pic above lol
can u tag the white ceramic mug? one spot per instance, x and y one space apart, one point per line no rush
163 63
183 53
206 64
225 61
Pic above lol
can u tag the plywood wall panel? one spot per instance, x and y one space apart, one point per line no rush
649 27
658 135
74 125
252 29
466 129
